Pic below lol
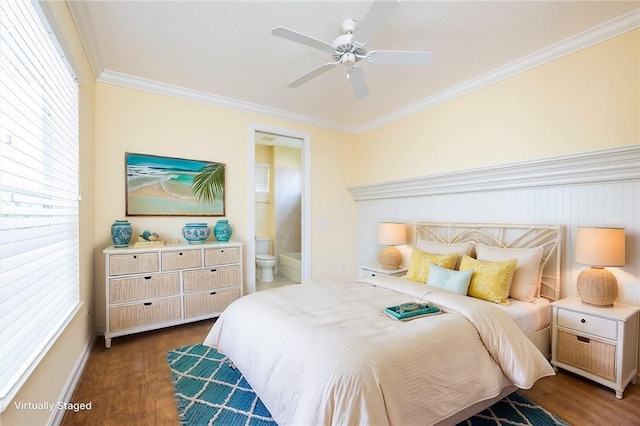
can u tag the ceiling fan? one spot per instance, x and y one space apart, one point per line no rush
351 47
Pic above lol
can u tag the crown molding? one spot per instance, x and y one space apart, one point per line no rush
610 165
84 24
600 33
612 28
152 86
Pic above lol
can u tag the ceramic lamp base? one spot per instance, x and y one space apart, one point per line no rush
597 287
390 258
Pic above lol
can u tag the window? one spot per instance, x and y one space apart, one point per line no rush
39 152
262 178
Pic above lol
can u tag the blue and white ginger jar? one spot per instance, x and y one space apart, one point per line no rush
196 233
222 230
121 232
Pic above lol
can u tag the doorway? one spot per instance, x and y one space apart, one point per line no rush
274 211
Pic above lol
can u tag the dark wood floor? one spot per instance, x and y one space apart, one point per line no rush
130 383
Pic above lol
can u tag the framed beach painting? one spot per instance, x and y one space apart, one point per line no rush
168 186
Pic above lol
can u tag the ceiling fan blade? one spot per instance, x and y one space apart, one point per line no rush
358 83
312 74
399 57
300 38
378 14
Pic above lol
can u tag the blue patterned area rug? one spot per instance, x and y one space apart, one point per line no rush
209 392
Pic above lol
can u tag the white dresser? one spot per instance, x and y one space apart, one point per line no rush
153 288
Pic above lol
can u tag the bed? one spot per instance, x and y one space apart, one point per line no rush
326 353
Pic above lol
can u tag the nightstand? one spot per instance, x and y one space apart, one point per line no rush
600 344
373 270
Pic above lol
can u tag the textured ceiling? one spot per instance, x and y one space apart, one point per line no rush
225 49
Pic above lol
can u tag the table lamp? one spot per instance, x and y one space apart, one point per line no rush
599 247
391 234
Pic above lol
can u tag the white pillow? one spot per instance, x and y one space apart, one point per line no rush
461 249
450 280
525 285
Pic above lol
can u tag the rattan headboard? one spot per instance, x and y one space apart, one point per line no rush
505 236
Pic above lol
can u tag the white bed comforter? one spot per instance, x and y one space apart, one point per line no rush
320 354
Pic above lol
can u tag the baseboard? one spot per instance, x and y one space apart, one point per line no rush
72 382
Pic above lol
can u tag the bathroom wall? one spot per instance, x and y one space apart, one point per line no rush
264 202
287 200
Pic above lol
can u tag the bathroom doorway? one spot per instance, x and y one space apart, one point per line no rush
279 212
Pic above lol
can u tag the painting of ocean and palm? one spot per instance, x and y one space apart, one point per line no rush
161 186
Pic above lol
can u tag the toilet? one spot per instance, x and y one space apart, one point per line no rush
264 261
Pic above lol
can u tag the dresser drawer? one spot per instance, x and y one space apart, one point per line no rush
122 264
585 323
144 313
196 305
143 287
590 355
211 278
221 256
172 260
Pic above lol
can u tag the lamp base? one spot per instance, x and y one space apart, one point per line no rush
597 287
390 258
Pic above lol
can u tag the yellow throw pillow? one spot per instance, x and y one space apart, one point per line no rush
420 261
490 280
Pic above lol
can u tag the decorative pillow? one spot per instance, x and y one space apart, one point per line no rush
420 261
525 285
461 249
450 280
490 280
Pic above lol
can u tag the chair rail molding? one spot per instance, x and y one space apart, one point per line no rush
609 165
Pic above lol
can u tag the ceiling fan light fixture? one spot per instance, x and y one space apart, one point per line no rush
348 26
351 47
348 59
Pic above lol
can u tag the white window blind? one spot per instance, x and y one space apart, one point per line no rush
262 177
38 192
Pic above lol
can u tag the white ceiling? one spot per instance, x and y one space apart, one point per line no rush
222 52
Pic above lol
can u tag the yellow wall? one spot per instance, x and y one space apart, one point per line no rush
287 157
276 156
582 102
264 202
129 120
48 381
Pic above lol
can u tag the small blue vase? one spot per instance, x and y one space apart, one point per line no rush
196 233
121 233
222 230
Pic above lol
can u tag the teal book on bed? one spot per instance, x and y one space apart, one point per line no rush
411 310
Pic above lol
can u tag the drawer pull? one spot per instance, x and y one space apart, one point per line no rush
583 339
147 303
147 278
212 293
213 270
135 257
583 320
180 253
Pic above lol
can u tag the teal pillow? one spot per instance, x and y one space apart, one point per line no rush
450 280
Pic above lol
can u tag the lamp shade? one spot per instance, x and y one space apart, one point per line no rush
600 246
392 233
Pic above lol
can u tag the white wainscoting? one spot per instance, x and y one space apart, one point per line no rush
599 188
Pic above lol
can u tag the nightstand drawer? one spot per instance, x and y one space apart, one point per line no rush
590 324
590 355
